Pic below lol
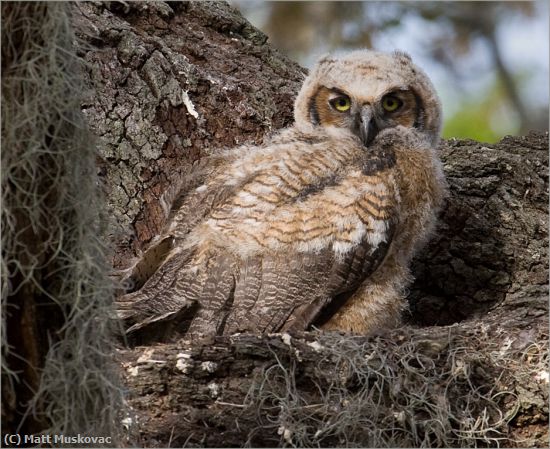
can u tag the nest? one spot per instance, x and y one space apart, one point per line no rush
394 393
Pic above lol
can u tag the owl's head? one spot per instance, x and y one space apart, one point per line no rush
367 91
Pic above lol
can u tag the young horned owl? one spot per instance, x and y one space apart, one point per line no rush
315 227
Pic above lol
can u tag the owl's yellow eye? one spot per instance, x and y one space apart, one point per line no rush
391 103
341 104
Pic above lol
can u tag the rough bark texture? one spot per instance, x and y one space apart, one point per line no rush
492 244
169 81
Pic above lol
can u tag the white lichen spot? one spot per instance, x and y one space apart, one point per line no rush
147 357
286 433
214 389
182 362
286 339
400 416
506 346
318 347
183 366
209 366
460 368
133 371
542 376
188 104
127 422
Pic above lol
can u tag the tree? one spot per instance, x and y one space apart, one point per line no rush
173 80
168 81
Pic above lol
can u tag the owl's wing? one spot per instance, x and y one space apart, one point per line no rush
324 251
288 289
289 292
262 294
185 204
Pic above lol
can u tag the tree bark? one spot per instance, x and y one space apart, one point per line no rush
168 82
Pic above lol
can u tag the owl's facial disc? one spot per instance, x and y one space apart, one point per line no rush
364 115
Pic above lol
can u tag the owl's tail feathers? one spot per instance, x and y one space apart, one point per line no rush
167 296
138 310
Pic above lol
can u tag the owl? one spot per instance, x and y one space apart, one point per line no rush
315 227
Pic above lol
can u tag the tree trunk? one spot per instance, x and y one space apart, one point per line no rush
170 81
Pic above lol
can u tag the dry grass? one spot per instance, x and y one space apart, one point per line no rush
395 394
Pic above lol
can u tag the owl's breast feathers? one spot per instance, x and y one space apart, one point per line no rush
283 230
333 194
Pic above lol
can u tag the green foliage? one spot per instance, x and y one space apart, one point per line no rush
471 122
483 118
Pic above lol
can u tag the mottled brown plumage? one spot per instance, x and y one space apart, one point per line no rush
316 226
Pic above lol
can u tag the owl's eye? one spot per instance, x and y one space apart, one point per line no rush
341 104
391 103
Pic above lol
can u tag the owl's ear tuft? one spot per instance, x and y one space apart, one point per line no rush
401 55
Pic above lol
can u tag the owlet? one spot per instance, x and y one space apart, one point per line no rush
317 226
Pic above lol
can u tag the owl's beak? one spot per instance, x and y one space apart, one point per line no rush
366 122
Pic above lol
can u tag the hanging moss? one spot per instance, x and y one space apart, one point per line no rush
58 375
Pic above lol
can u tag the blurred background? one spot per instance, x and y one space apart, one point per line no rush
488 60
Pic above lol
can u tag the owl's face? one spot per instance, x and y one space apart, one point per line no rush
365 115
365 92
